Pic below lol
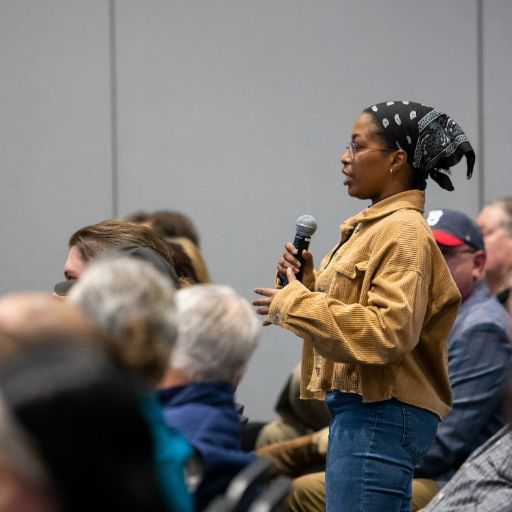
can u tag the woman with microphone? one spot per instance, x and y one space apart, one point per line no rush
375 317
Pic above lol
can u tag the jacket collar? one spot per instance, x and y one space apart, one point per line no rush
214 393
410 199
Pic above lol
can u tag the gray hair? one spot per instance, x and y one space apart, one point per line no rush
17 452
505 203
134 303
218 332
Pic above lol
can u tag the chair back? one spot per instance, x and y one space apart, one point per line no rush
273 496
242 488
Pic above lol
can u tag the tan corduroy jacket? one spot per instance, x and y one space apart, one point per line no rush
375 318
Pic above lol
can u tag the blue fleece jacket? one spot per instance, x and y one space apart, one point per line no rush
205 413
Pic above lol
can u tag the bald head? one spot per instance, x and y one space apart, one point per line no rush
31 318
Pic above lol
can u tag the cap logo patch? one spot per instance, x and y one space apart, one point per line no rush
434 217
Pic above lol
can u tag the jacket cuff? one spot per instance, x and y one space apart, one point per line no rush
277 311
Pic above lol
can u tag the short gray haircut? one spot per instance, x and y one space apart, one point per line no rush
133 302
17 452
218 332
505 203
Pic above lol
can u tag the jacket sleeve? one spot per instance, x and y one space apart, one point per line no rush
381 332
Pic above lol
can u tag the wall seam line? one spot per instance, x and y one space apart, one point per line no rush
113 108
481 103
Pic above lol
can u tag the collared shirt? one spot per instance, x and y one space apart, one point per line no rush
376 317
479 363
483 483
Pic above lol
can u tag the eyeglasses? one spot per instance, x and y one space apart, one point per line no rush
353 148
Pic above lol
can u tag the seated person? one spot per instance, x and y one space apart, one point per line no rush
28 318
24 481
296 417
495 221
84 443
177 228
134 303
484 481
87 243
479 365
218 332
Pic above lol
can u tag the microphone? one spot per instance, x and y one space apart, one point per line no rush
305 228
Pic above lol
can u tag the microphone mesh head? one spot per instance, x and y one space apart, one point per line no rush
306 225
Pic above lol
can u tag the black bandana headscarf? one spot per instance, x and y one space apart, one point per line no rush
431 139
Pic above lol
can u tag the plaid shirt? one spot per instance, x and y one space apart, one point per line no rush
483 483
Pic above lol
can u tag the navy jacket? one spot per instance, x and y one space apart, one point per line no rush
479 362
205 413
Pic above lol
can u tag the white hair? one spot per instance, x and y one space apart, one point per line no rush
218 332
134 302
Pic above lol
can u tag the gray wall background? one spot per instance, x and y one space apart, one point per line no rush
235 112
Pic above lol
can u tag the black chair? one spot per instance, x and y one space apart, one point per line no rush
242 488
240 410
250 434
273 496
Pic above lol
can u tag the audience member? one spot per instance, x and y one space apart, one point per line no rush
178 229
169 224
89 242
495 220
134 303
218 332
24 482
479 364
81 416
479 354
296 417
484 481
27 318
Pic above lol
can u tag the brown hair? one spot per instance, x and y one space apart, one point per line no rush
97 238
139 217
183 264
168 223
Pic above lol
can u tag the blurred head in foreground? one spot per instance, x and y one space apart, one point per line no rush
134 303
79 433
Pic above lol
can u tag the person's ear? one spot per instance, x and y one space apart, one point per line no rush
479 258
399 159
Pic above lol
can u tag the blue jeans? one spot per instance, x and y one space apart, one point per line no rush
372 451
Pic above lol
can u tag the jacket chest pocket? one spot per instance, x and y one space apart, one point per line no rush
348 279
